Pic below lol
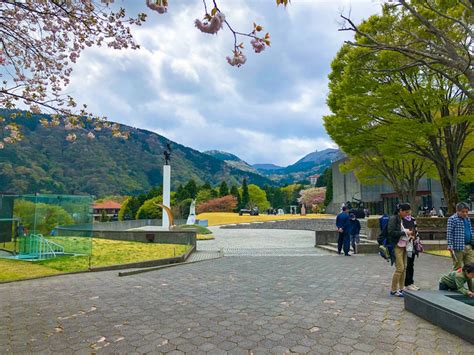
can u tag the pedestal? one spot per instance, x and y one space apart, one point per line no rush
166 193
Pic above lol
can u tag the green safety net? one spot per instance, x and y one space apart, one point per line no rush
47 226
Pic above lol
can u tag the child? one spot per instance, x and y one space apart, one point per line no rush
412 251
455 280
355 230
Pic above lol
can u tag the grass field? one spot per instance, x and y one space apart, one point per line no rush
104 253
219 218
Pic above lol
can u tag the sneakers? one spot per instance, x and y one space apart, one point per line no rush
398 293
413 287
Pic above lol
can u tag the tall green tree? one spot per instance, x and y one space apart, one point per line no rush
278 200
403 114
434 35
191 188
245 195
234 191
257 197
223 189
329 189
323 179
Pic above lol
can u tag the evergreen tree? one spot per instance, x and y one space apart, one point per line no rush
323 179
278 200
181 193
191 188
206 186
329 189
245 194
223 189
234 191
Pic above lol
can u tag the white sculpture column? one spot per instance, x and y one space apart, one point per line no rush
166 193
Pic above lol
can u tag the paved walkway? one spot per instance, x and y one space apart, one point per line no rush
239 305
261 242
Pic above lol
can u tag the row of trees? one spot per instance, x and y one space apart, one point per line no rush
222 199
401 97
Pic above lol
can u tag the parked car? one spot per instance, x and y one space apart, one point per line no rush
252 211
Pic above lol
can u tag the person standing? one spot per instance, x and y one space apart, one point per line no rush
354 231
459 235
409 222
343 227
399 237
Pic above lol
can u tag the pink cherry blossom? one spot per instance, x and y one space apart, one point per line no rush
258 45
213 26
158 6
71 137
237 60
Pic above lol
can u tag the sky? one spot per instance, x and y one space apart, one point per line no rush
180 86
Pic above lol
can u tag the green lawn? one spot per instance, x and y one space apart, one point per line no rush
104 253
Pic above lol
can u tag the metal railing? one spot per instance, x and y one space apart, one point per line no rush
35 246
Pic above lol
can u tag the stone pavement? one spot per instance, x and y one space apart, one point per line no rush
239 305
261 242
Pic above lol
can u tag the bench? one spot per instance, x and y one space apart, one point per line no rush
432 234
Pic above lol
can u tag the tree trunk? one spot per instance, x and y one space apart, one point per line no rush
450 190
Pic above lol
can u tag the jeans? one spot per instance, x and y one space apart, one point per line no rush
355 239
410 271
443 287
344 243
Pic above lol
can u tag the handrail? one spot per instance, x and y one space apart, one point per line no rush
40 247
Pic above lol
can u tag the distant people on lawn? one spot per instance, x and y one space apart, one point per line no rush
354 231
413 249
455 280
399 237
343 227
459 235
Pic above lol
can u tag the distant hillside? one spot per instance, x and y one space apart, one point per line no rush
267 167
45 162
232 160
313 163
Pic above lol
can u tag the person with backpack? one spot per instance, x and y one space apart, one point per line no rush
355 231
413 249
399 237
343 227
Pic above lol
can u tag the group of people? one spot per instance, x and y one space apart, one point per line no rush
348 227
402 233
405 244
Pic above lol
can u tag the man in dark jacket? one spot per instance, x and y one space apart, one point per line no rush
355 231
343 227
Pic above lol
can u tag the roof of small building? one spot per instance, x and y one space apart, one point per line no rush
314 176
107 205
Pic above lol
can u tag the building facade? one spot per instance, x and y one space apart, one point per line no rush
378 198
109 208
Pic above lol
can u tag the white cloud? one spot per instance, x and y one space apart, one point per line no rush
179 84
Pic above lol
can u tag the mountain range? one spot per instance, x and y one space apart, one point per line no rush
44 161
313 163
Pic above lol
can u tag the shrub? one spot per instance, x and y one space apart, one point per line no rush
149 209
222 204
